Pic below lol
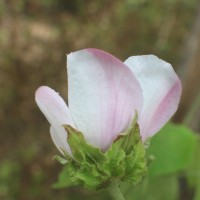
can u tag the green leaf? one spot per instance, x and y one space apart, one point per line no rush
193 171
157 188
173 149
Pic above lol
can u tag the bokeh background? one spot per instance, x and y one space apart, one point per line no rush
36 35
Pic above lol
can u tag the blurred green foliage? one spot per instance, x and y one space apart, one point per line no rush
165 188
173 148
10 173
34 38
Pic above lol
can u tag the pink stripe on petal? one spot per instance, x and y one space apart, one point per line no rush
165 110
161 90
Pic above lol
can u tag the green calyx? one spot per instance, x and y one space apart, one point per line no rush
90 167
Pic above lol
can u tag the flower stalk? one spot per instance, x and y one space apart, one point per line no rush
115 191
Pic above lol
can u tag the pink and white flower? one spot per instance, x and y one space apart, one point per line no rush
104 93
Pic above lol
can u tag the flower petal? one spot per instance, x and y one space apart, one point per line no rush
56 112
60 140
161 91
103 95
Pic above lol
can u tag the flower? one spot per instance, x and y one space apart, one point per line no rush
104 93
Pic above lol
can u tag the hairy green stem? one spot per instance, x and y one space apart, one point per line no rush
115 191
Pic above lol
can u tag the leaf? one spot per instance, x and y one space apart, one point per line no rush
173 149
193 171
157 188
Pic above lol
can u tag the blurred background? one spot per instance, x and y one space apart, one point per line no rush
36 35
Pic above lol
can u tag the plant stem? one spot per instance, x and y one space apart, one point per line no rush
115 191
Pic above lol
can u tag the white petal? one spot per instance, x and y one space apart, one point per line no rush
60 140
103 95
161 91
56 112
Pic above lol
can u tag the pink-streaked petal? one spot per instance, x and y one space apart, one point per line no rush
56 111
161 91
103 95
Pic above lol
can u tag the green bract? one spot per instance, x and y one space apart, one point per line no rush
90 167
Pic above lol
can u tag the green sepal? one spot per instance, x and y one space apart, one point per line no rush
90 167
64 179
80 149
60 159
